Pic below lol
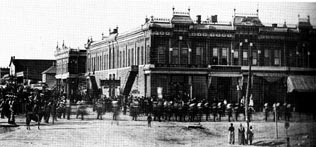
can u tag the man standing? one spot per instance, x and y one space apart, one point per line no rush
229 112
68 108
241 135
266 111
250 135
231 130
149 119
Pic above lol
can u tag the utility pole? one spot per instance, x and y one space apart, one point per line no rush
248 86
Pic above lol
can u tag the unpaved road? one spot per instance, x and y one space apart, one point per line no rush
92 132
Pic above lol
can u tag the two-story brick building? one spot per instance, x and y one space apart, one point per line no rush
205 59
70 69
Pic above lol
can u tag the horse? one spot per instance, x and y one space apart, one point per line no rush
35 112
134 109
100 108
157 110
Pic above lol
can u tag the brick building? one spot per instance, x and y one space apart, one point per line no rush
189 58
70 69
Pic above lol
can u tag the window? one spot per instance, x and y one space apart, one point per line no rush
266 53
175 56
184 56
124 58
120 65
129 58
198 51
198 55
161 54
224 56
245 55
137 56
277 57
215 52
235 54
132 62
254 58
99 62
142 56
104 66
224 52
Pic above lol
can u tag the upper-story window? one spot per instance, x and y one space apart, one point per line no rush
137 55
142 55
161 54
198 55
266 53
129 58
224 56
175 56
124 58
254 58
132 62
184 55
277 54
215 56
245 57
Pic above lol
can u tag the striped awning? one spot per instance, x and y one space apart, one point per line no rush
301 84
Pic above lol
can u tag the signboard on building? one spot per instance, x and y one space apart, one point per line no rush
110 83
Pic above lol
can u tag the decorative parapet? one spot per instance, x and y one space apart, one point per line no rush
181 13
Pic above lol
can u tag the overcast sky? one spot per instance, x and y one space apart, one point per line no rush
30 29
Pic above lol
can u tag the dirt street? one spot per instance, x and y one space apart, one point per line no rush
93 132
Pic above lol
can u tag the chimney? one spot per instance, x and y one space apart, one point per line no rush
214 18
308 18
198 19
284 25
274 25
146 19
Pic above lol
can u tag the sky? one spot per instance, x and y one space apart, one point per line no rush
31 29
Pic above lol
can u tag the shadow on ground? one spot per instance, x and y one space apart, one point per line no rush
268 143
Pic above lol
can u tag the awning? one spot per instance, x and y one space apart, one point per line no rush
301 84
225 74
271 77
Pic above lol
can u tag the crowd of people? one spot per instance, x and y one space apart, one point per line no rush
43 104
178 109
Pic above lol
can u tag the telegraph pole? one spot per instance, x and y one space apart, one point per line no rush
248 86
